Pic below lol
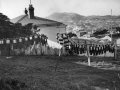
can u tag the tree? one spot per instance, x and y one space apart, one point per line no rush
11 30
70 34
101 32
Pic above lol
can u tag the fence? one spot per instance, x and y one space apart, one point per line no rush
31 45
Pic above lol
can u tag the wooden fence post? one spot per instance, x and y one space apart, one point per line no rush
88 54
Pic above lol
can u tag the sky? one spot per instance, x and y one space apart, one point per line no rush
43 8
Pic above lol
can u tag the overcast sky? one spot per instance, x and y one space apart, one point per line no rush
43 8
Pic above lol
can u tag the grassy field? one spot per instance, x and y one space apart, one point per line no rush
71 73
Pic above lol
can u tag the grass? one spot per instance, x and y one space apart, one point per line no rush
72 73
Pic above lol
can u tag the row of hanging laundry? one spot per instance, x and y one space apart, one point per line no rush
19 43
64 40
93 49
100 49
76 48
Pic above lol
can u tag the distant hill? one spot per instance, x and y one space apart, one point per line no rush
66 17
106 17
74 17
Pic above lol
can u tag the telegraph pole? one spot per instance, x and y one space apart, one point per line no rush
30 2
0 6
111 25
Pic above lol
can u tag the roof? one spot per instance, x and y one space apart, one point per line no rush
115 36
107 37
81 40
24 19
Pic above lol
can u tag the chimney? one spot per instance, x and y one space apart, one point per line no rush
31 11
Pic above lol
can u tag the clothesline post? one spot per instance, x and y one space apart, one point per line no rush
88 54
115 52
31 51
59 54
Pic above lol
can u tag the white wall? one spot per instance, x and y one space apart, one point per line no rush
51 32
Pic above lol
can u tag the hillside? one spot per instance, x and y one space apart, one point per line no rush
74 17
66 17
106 17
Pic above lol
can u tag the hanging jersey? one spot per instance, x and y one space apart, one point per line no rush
30 39
8 44
2 45
26 42
15 45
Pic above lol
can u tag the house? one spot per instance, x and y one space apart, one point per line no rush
48 27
